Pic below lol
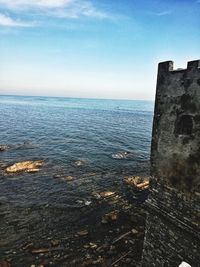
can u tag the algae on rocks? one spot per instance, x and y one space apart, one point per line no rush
25 166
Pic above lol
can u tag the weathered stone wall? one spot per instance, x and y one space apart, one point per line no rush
173 229
168 243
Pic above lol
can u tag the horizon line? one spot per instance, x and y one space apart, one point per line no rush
92 98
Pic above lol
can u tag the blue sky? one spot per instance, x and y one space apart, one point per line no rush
90 48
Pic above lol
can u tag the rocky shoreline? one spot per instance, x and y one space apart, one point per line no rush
107 229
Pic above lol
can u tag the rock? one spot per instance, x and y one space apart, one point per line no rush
26 145
134 231
69 178
40 250
27 246
79 163
55 242
84 202
122 155
87 203
4 148
82 232
93 245
104 221
138 182
143 185
128 260
96 195
98 261
25 166
3 165
106 194
109 217
113 215
79 201
32 170
57 176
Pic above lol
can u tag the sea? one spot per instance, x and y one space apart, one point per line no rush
95 141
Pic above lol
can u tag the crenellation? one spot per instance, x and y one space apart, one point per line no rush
167 67
195 64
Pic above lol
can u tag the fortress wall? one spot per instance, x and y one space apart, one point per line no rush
173 229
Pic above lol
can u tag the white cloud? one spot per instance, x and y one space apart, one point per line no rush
164 13
76 9
56 8
25 4
160 13
9 22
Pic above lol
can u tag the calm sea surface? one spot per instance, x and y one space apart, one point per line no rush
62 131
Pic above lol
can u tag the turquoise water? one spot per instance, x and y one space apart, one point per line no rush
111 138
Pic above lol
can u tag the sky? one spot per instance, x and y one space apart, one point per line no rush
94 48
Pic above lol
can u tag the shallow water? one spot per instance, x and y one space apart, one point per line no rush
62 131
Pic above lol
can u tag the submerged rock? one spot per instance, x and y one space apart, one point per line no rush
87 203
69 178
25 166
96 195
111 216
26 145
4 147
79 163
82 232
123 155
55 242
106 194
134 231
84 202
40 250
3 165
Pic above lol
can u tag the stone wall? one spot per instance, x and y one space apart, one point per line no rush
172 227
